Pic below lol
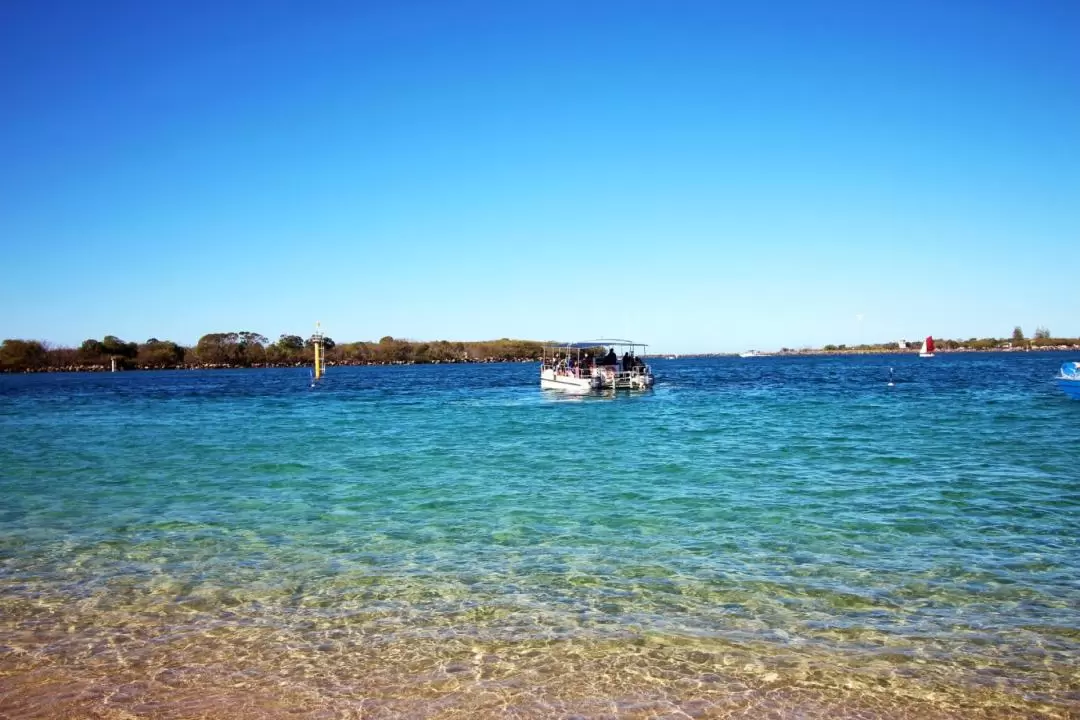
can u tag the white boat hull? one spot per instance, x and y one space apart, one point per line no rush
603 379
550 380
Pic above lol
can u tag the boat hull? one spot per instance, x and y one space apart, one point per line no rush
1069 387
549 380
604 379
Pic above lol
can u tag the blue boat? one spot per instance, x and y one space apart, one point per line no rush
1069 379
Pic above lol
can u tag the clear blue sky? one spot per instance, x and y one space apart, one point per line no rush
703 176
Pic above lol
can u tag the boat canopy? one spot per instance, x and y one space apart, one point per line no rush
600 342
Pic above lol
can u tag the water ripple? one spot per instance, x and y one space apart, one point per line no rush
814 542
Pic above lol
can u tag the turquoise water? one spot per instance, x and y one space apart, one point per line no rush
768 537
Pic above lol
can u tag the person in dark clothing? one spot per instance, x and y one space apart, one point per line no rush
611 358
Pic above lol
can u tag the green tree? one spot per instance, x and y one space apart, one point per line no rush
112 345
357 352
247 338
91 352
62 357
218 349
251 348
290 342
1018 336
22 355
1041 333
156 353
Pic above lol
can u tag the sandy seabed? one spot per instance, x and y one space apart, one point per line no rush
63 664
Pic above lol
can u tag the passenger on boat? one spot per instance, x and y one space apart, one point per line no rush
611 358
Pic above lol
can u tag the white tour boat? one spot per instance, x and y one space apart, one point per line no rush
584 367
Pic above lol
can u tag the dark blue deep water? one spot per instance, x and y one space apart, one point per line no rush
765 537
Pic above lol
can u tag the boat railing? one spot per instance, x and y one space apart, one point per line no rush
578 371
615 371
611 373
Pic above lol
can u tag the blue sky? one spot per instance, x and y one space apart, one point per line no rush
702 176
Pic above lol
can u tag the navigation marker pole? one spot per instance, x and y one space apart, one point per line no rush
320 361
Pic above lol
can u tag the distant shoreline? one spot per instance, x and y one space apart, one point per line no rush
256 366
490 361
234 350
811 352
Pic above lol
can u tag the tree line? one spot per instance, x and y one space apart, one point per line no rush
1042 339
250 349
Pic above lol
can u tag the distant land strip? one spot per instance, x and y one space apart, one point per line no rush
252 350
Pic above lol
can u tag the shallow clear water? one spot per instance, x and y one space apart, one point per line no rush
787 537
